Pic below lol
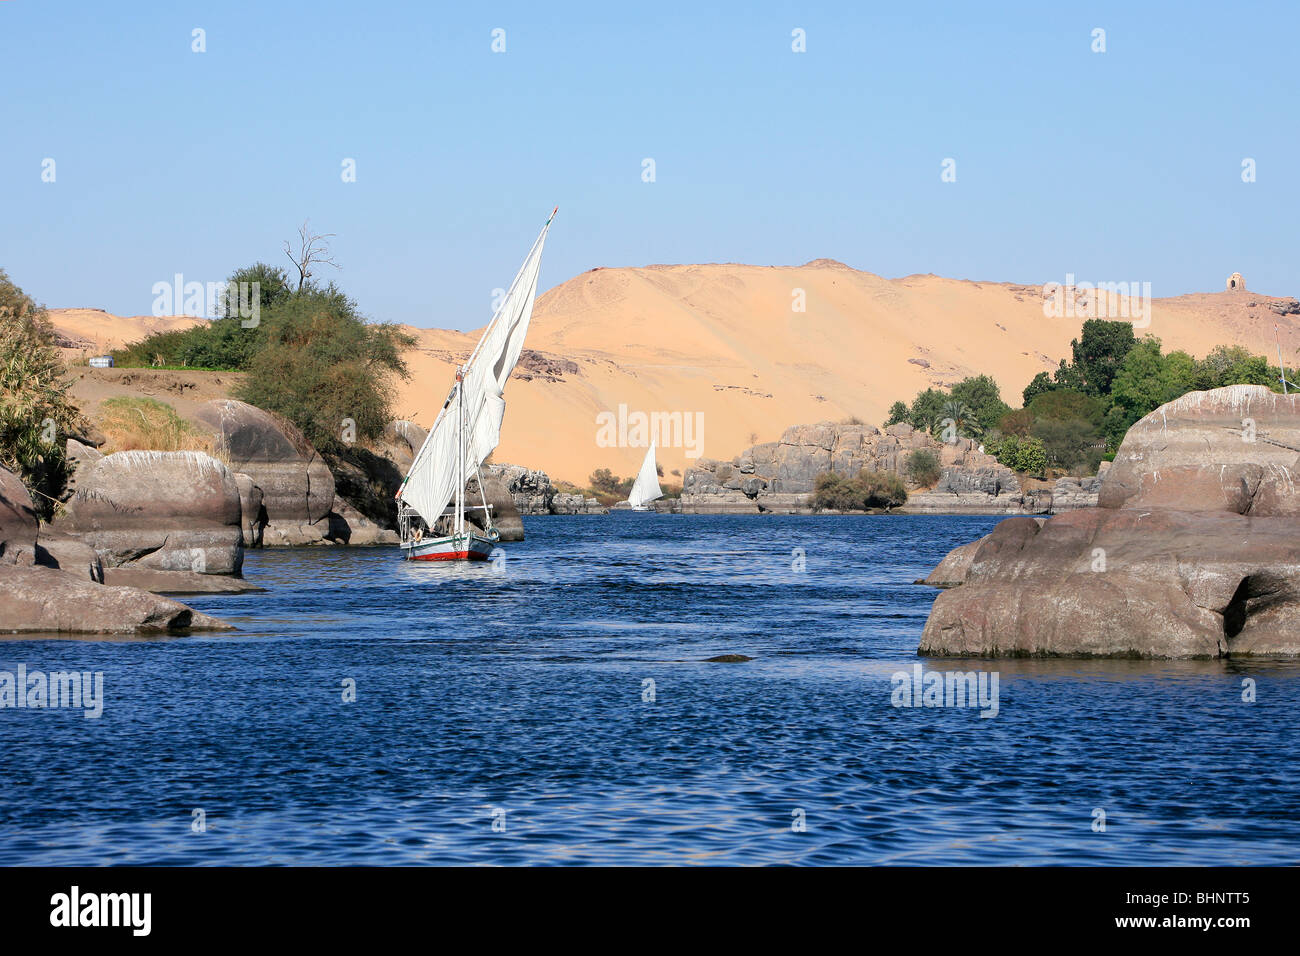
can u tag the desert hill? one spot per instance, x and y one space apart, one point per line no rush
725 341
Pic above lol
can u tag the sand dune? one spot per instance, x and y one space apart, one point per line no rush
724 341
94 331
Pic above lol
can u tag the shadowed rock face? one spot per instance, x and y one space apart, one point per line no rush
167 511
18 521
505 516
1194 552
297 487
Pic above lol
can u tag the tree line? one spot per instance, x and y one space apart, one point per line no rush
1071 420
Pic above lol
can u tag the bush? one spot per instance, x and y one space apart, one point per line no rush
146 423
924 468
1025 455
321 365
36 414
311 357
870 489
602 479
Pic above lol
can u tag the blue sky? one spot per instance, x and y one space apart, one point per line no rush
1123 165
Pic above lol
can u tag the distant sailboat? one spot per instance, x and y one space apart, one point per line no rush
431 502
646 487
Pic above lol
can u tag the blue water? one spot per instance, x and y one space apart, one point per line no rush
500 719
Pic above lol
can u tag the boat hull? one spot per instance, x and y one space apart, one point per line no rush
456 547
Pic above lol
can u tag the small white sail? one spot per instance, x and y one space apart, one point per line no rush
646 487
444 463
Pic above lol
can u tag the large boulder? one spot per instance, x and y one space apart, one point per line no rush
67 552
297 486
169 511
46 600
81 458
1193 552
18 521
1233 449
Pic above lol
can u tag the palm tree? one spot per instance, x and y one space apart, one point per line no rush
963 421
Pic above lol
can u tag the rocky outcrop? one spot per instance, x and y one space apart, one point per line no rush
402 439
779 476
1232 449
297 486
350 527
952 570
68 552
46 600
534 494
984 494
176 582
167 511
49 582
1191 553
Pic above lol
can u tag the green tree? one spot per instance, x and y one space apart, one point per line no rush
927 409
1146 380
1099 351
1234 365
1019 423
1042 382
602 479
1064 404
898 413
962 419
981 395
868 490
1031 458
321 365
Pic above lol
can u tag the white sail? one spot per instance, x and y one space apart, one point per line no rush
469 426
646 487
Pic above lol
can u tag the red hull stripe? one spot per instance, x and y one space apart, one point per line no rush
450 556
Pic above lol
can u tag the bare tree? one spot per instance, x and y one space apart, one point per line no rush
312 249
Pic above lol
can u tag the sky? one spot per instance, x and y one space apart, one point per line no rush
1122 165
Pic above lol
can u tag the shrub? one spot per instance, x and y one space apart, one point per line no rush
311 357
924 468
1025 455
602 479
36 414
321 365
870 489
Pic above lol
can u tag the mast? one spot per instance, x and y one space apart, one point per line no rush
460 456
433 481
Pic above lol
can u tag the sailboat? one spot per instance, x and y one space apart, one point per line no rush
431 512
646 487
